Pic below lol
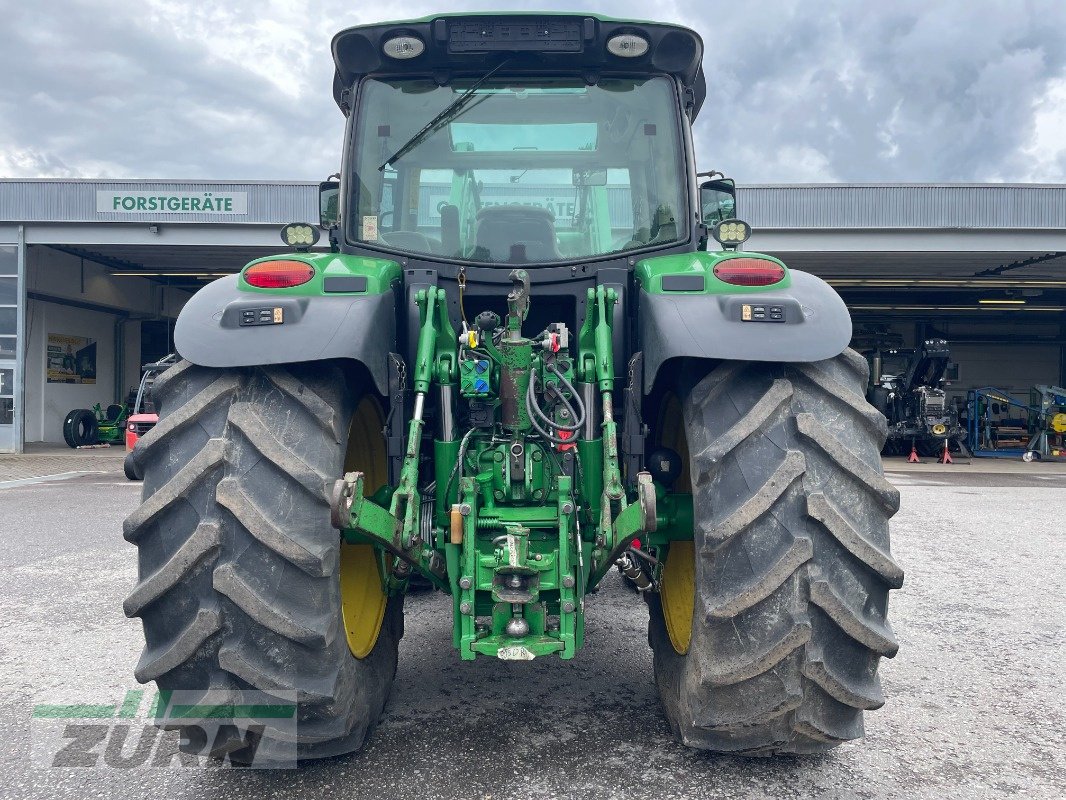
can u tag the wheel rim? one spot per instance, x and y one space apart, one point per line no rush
678 594
363 599
678 580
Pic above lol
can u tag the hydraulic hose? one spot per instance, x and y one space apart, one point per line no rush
580 412
530 408
576 414
463 443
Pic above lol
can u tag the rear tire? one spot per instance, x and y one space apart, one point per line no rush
239 566
80 428
129 468
792 564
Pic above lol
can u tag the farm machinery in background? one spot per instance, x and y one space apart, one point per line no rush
907 386
1000 425
96 426
119 423
143 415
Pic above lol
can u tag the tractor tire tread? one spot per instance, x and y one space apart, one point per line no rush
188 414
793 566
316 559
238 562
201 546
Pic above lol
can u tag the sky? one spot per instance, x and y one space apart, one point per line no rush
811 91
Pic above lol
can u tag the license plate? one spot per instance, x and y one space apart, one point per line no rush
515 653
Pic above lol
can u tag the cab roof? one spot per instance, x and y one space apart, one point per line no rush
532 43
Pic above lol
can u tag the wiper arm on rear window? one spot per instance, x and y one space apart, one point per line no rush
443 118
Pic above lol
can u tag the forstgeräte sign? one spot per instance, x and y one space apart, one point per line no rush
161 202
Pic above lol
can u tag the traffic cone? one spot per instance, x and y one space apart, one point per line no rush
945 457
913 457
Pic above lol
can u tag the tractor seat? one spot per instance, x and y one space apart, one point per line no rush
410 240
516 233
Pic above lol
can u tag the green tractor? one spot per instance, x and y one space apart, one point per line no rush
516 369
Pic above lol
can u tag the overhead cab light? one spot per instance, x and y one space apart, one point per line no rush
278 274
627 45
404 47
749 271
1002 302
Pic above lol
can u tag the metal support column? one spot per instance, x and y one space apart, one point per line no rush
20 345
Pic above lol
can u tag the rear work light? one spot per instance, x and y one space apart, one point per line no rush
749 272
404 47
627 45
279 274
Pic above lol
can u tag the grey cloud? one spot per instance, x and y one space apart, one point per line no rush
901 91
100 89
835 90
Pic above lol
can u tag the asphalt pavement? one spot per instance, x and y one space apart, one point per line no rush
974 704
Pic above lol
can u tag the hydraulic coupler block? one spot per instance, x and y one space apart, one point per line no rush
475 379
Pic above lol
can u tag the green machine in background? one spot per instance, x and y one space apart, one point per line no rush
84 427
516 369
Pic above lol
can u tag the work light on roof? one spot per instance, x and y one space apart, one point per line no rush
404 47
627 45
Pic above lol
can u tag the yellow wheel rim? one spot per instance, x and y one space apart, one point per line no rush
678 589
939 429
678 593
363 599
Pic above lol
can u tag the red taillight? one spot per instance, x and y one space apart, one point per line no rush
749 271
279 274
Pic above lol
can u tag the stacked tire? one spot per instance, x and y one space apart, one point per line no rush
80 428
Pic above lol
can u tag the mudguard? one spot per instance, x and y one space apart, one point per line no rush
312 327
800 319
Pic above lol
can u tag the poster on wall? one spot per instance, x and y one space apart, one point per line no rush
71 359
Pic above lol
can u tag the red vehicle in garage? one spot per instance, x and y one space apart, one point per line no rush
143 416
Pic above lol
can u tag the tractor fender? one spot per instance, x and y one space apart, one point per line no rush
815 325
312 328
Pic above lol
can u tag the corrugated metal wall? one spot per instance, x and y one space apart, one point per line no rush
836 206
926 206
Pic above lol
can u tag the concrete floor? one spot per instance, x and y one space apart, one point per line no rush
48 459
974 706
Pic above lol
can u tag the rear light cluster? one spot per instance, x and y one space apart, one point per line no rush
749 272
278 274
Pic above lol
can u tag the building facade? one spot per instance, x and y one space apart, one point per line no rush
93 274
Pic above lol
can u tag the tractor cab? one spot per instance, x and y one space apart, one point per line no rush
521 171
561 145
497 142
